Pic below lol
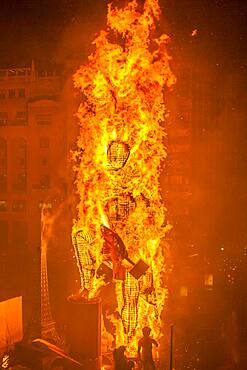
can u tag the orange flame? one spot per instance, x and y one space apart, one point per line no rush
121 140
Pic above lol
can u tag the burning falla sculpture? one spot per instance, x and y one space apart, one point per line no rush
119 232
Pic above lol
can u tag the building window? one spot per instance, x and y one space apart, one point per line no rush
12 72
2 94
3 165
19 234
19 122
4 234
44 161
44 204
19 205
20 119
3 205
20 183
19 165
44 142
21 72
41 73
176 180
44 181
11 93
21 93
3 183
3 118
21 115
43 119
183 291
209 281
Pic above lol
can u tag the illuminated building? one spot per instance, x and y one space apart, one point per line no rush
211 254
33 149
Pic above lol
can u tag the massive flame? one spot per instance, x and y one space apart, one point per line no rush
118 162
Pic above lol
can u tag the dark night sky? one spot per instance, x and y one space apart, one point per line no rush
37 29
53 29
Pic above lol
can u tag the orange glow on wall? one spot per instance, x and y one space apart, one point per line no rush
11 328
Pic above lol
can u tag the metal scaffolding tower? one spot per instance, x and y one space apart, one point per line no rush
48 329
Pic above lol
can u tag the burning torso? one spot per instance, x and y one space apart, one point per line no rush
119 233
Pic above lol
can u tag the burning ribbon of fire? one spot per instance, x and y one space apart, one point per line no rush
121 218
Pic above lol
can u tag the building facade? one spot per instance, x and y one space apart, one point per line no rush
33 171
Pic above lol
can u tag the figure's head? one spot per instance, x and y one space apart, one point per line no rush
121 349
146 331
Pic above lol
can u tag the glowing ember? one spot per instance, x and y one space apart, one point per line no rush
194 32
121 218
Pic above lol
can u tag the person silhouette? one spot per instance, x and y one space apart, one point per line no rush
120 360
145 346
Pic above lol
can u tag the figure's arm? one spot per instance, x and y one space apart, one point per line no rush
155 343
139 349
